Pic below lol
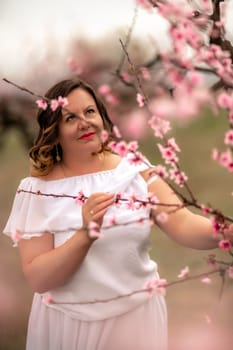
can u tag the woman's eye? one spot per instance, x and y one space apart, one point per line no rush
70 118
90 111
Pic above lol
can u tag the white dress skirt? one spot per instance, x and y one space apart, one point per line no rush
144 328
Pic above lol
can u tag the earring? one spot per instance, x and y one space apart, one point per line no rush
58 158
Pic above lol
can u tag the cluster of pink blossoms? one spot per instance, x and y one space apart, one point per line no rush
157 285
225 158
218 60
132 201
169 154
106 91
53 104
146 4
165 107
16 236
74 66
94 230
220 227
184 273
130 149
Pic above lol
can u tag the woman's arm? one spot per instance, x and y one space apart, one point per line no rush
46 267
189 229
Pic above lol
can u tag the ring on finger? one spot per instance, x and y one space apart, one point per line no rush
91 212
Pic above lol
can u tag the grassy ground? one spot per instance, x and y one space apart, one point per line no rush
191 304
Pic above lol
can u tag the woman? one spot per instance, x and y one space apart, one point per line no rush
85 285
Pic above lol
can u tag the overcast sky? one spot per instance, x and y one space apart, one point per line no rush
25 25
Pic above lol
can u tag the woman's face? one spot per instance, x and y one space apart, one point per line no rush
75 134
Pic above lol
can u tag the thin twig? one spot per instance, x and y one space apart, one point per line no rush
128 38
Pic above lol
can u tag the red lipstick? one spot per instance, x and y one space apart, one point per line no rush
87 136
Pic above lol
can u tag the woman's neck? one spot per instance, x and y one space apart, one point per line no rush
83 165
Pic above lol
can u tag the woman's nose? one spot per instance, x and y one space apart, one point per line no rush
83 124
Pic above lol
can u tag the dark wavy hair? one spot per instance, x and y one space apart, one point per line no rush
43 154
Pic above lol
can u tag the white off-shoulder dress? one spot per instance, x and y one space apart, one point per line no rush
99 308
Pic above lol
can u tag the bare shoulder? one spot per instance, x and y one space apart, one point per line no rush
112 160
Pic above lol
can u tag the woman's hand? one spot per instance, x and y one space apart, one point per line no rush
95 207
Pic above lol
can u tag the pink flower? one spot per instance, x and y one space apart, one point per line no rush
145 73
159 125
118 198
211 260
125 76
145 4
225 158
94 230
207 6
16 236
205 210
157 285
111 220
215 154
184 273
229 137
168 154
104 89
174 76
206 280
231 117
80 199
216 225
113 146
132 203
73 65
177 35
179 177
116 132
54 104
172 143
161 171
42 104
62 101
135 125
135 158
225 244
132 146
104 136
162 217
224 100
186 63
223 8
152 200
141 220
112 99
121 148
162 107
230 167
47 299
140 100
230 271
195 78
